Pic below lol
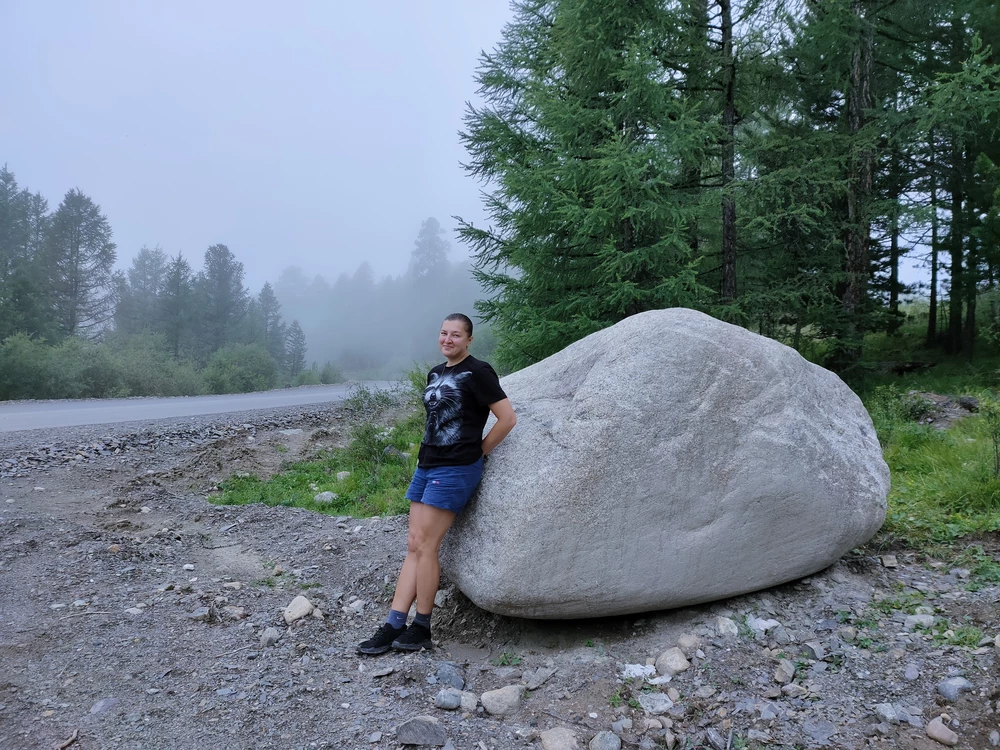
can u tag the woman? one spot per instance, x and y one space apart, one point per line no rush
458 398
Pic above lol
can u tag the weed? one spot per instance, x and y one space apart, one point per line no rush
281 448
615 699
964 635
907 603
588 643
634 703
506 659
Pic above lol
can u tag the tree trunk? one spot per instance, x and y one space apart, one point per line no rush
728 155
971 282
894 322
953 343
932 312
859 188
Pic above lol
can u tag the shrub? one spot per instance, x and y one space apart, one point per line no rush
330 374
240 368
307 377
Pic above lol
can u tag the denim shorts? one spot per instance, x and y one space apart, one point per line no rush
445 487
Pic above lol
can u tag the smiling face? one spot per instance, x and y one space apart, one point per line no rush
454 341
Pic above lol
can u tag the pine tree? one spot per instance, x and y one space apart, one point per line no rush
295 349
79 261
430 251
581 141
272 328
220 298
176 314
138 301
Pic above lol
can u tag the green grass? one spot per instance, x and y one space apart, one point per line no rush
376 484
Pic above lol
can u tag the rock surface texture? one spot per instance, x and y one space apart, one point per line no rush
667 460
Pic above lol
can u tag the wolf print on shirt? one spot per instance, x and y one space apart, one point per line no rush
443 401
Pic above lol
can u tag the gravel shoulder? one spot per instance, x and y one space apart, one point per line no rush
135 614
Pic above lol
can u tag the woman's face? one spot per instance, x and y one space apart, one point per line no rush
454 340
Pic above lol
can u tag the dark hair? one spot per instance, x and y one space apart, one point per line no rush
466 321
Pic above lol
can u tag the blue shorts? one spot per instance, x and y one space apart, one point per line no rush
445 487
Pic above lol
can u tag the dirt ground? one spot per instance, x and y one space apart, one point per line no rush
132 613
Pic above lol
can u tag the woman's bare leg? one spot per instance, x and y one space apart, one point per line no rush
421 571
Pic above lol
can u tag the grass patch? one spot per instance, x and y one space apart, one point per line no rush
943 481
377 480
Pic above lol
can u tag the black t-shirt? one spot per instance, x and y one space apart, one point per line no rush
457 401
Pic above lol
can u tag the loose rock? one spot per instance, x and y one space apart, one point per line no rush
298 608
655 704
269 637
938 732
559 738
605 741
952 687
448 699
501 702
421 730
671 662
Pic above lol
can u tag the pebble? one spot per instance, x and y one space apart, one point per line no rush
469 701
622 725
501 702
559 738
918 621
672 662
887 713
725 627
269 637
995 737
938 732
375 737
188 566
342 475
785 672
104 704
689 644
605 741
952 687
655 704
448 699
202 614
535 679
449 674
325 497
298 608
421 730
912 672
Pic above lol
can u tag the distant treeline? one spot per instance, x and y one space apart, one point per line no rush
72 327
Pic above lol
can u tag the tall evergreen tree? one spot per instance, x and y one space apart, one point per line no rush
138 307
580 140
272 328
221 299
176 296
295 349
430 251
79 261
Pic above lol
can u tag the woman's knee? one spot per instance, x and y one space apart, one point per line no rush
420 544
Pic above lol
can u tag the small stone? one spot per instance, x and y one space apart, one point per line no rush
115 548
357 606
781 636
813 650
995 738
706 691
715 740
559 738
535 679
767 713
887 713
952 687
325 497
671 662
889 561
375 737
188 566
421 730
104 704
756 735
235 613
918 621
605 741
342 475
622 725
785 672
202 614
133 611
792 690
383 671
673 694
448 699
298 608
449 674
651 725
269 637
655 704
725 627
912 672
689 644
469 701
938 732
669 739
501 702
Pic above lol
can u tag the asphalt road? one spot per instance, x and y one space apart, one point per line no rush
33 415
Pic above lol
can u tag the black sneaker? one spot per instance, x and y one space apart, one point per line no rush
415 638
382 640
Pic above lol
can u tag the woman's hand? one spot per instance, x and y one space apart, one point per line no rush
506 419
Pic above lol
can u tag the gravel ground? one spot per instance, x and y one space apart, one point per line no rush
135 614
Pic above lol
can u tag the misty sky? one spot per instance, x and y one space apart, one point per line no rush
319 133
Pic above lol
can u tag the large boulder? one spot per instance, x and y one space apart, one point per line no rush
667 460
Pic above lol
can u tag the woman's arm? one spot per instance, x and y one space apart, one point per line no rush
506 419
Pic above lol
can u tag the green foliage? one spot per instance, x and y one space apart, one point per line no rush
376 485
308 377
329 374
240 368
506 659
989 408
295 349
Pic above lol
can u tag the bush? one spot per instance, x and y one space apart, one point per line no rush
331 374
241 368
148 368
307 377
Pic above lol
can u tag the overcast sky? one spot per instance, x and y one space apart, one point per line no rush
318 133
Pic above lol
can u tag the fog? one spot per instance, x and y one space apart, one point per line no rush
313 134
